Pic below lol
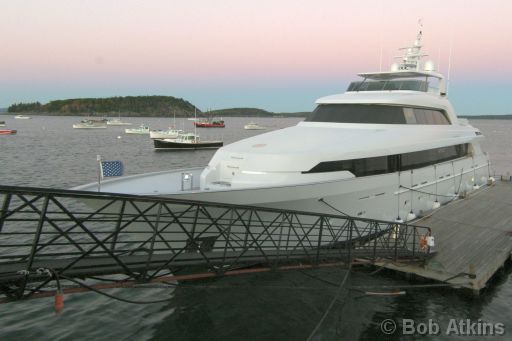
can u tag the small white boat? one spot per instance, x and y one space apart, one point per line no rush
90 124
254 126
171 133
117 122
2 123
142 130
22 117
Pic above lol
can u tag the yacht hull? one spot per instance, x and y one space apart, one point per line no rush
382 197
161 144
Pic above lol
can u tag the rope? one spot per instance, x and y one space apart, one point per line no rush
438 195
410 286
112 296
199 287
460 274
335 298
460 179
417 190
334 208
318 278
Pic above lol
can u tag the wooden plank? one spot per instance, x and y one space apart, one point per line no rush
472 236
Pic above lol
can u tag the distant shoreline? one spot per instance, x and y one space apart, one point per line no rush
219 113
487 117
155 106
135 106
167 115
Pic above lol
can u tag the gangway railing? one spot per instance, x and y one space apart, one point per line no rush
88 234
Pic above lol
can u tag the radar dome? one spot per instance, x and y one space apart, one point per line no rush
429 66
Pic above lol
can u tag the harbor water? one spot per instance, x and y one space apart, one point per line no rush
48 152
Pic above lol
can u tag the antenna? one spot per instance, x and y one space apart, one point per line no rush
380 57
449 65
439 59
411 60
381 23
195 121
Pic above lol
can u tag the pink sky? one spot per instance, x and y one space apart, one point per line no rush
59 49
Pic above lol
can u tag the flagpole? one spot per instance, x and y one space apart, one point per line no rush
98 159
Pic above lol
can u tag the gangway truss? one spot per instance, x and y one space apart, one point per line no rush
84 235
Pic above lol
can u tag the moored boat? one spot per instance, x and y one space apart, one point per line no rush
117 122
22 117
210 124
2 123
254 126
170 133
8 131
186 141
91 124
141 130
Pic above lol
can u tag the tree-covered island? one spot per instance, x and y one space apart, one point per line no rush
140 106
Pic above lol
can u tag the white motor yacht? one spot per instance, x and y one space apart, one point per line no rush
22 117
170 133
253 126
117 122
391 147
141 130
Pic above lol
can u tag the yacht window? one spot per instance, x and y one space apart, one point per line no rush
371 166
410 118
376 114
430 116
432 156
390 85
358 113
332 166
392 163
358 167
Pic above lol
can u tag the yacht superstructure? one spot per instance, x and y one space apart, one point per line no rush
390 147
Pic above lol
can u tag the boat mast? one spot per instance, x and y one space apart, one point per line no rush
449 65
195 126
412 58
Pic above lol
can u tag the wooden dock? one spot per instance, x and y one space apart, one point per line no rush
473 239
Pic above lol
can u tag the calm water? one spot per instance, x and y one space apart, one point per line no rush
47 152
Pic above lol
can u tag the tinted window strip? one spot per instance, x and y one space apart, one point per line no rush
392 163
377 114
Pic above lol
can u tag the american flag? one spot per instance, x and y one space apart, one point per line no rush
111 168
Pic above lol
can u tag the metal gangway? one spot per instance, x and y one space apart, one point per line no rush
47 234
